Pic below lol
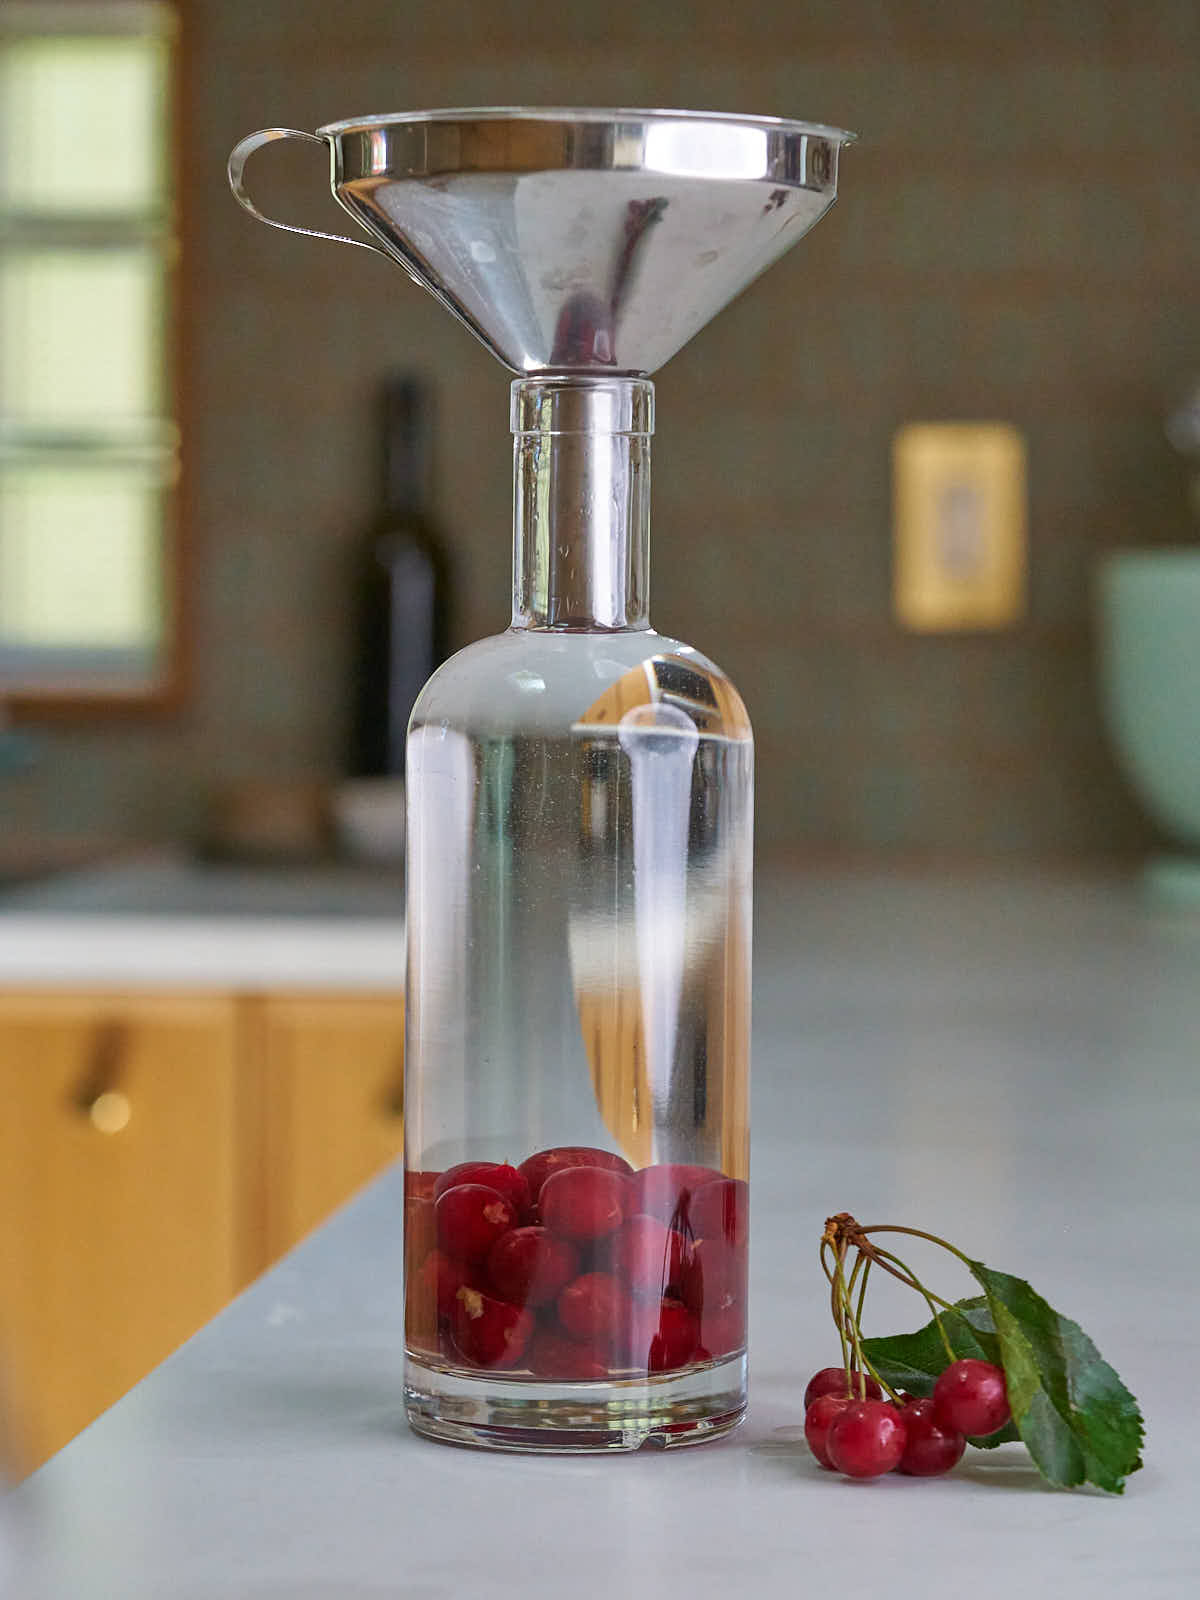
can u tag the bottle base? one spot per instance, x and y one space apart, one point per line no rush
510 1413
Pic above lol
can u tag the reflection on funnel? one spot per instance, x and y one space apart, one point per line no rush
661 743
584 333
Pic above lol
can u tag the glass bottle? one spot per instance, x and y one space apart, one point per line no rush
579 895
401 633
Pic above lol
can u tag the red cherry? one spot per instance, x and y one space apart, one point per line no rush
832 1380
528 1266
721 1210
929 1448
429 1299
565 1360
818 1419
441 1278
715 1290
538 1168
585 1202
487 1331
714 1278
866 1439
470 1218
665 1191
648 1255
506 1181
724 1332
596 1309
675 1340
970 1397
420 1232
419 1184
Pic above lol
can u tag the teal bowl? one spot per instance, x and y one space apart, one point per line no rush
1149 625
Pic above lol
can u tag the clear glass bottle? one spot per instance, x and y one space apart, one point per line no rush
579 897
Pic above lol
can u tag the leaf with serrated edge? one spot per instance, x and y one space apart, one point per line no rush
913 1361
1078 1420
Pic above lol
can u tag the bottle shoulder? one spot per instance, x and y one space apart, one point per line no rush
541 680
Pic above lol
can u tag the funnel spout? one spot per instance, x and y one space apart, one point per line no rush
581 503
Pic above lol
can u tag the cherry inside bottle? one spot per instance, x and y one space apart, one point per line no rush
570 1267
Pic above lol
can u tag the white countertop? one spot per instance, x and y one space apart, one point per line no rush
239 953
1017 1063
171 923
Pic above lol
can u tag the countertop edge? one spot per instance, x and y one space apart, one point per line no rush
55 951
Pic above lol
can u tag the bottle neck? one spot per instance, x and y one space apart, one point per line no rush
581 502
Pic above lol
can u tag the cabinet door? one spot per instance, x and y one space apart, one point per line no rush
118 1187
332 1084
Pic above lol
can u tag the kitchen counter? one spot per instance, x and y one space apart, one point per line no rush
1013 1064
176 923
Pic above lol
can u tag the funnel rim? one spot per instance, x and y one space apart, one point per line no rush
583 240
347 125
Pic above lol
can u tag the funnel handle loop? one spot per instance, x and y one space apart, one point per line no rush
241 153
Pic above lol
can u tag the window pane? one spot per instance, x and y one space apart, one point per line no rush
87 447
84 124
79 558
81 336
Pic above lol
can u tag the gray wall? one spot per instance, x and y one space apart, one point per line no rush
1018 237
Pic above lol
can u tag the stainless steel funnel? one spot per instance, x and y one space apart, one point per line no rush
575 241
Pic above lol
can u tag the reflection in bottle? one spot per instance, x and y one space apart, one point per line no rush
630 973
441 804
660 742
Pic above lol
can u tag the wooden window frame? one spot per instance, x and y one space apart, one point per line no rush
94 699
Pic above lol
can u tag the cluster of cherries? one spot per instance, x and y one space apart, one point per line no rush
573 1267
866 1437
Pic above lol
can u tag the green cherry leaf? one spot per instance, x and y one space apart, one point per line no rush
1078 1420
913 1361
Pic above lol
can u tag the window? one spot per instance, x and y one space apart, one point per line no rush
88 444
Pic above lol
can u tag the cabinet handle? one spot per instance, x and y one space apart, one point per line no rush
98 1096
110 1112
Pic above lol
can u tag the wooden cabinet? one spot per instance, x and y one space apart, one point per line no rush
332 1087
118 1187
156 1153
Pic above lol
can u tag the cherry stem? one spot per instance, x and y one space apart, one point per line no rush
858 1267
835 1305
854 1318
917 1233
842 1295
880 1380
843 1316
883 1257
841 1232
885 1260
862 1292
860 1263
855 1361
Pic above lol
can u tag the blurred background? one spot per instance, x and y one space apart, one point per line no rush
1016 240
190 416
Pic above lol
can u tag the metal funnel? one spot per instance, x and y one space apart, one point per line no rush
576 241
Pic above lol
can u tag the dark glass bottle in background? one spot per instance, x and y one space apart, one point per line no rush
401 624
